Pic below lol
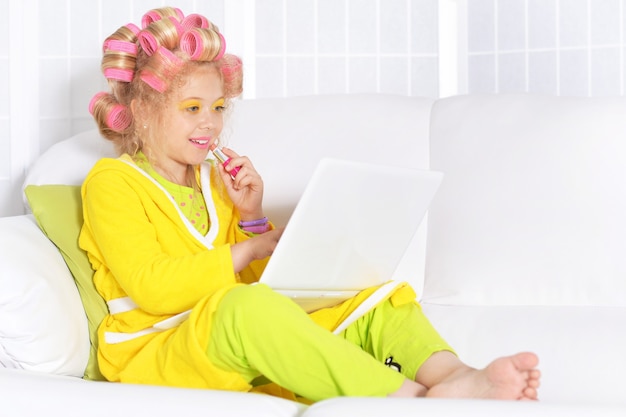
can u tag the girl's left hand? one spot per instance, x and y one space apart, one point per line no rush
246 190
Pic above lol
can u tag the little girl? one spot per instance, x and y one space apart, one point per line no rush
176 241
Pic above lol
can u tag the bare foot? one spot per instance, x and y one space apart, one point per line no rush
507 378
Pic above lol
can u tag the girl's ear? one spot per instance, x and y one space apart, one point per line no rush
135 108
139 113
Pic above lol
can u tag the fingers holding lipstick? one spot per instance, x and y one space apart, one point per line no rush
246 188
236 164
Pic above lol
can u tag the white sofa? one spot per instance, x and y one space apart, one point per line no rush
524 248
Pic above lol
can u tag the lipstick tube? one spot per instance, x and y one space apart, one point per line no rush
224 160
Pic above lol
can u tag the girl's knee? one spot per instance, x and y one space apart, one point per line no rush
252 301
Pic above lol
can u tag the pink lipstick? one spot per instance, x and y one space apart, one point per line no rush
224 160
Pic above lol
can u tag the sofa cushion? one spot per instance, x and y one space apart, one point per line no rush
43 326
58 211
26 394
69 161
531 208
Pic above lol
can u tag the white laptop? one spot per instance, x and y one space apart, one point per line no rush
348 231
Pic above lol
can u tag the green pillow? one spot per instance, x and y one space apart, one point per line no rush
58 210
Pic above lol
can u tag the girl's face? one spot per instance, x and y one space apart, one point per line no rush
193 121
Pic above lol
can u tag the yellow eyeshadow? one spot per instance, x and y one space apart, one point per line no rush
189 103
218 103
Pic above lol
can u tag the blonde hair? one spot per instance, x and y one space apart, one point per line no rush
146 64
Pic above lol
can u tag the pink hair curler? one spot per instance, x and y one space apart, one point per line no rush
118 118
191 43
148 42
133 28
150 17
195 21
170 65
232 65
153 16
94 99
119 74
179 13
222 48
153 81
179 28
120 46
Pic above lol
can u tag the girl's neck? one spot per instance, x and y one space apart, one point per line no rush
174 173
178 176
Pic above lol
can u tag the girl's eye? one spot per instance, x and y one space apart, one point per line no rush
191 106
195 106
219 105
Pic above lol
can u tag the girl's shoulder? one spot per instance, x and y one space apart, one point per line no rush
123 164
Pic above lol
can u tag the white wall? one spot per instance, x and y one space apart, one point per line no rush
562 47
50 53
342 46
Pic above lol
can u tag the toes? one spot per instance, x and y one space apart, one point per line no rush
533 383
525 360
529 393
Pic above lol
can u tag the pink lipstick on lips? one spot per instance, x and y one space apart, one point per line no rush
201 142
224 160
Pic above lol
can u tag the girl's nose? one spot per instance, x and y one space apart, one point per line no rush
208 119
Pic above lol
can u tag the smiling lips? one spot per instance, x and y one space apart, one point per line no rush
202 143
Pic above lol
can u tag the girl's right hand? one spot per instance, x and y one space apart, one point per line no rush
246 189
258 247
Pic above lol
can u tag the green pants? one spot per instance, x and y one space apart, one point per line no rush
256 331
